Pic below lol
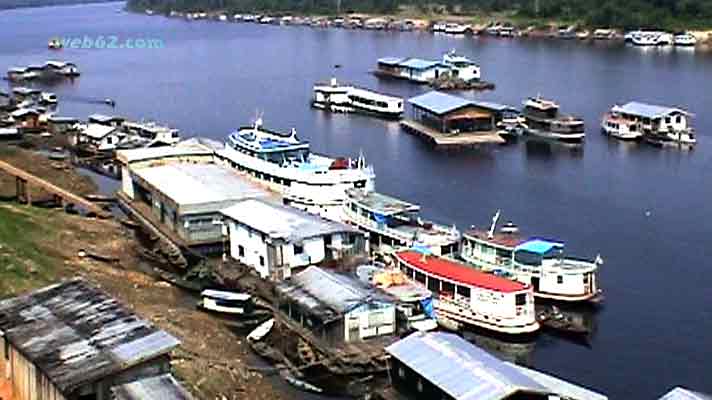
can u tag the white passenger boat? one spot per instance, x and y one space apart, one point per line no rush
659 125
226 302
544 120
456 29
48 98
439 27
393 224
536 262
414 308
684 39
347 98
463 296
306 180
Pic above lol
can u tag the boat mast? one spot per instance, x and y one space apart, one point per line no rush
490 234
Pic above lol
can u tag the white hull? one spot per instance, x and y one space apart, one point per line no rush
560 137
448 312
619 134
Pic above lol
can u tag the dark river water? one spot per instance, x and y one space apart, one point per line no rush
645 210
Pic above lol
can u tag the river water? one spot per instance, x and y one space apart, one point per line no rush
645 210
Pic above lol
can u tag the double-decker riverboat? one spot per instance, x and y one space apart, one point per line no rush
393 224
285 164
544 120
463 296
537 262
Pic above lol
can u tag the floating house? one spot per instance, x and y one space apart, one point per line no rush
633 120
22 93
335 308
98 138
680 393
424 71
162 387
26 119
73 341
181 190
61 125
450 114
439 365
276 239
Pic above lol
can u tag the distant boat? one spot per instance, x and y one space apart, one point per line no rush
55 44
336 97
684 39
544 120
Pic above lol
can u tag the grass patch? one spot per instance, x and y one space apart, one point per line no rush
24 263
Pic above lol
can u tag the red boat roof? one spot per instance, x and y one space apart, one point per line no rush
457 272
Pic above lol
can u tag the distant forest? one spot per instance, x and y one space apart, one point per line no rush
615 13
6 4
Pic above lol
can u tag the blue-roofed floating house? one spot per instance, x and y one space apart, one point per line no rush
663 124
425 71
450 114
439 365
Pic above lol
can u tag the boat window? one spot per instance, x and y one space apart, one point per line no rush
463 291
433 284
678 119
298 249
520 299
420 277
559 279
240 250
262 261
448 287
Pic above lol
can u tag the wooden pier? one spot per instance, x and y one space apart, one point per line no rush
441 140
63 197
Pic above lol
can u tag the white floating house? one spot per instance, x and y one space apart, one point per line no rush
100 137
275 239
424 71
439 365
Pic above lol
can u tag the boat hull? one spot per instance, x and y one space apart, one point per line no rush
355 108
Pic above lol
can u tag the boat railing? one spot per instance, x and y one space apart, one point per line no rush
408 237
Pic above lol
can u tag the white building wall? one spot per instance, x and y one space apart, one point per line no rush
126 182
253 248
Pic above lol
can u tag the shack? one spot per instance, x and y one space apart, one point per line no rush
22 93
73 341
276 239
181 190
439 365
680 393
162 387
26 119
451 114
97 137
335 308
108 120
61 125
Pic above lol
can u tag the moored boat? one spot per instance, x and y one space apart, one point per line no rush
684 39
659 125
465 297
544 120
394 224
336 97
48 98
456 29
536 262
55 44
285 164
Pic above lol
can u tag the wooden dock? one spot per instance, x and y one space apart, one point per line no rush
441 140
61 196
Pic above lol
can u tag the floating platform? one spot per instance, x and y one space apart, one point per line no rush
445 141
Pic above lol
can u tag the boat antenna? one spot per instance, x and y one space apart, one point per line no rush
361 160
258 120
490 234
293 136
333 75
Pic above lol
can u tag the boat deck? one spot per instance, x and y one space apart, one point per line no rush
441 140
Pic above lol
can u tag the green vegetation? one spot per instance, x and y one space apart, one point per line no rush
6 4
23 263
669 14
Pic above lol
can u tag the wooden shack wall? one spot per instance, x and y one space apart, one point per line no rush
28 382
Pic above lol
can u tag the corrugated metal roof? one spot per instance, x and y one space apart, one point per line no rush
561 388
328 294
101 118
282 222
418 63
647 110
76 334
183 149
680 393
461 369
493 106
98 131
163 387
190 184
439 103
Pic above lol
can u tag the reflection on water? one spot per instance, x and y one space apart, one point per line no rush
516 352
536 148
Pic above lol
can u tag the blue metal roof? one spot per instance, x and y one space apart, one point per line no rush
494 106
439 103
538 246
418 63
461 369
647 110
680 393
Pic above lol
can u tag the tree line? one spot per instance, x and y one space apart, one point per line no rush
7 4
670 14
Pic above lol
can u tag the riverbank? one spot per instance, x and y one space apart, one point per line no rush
39 246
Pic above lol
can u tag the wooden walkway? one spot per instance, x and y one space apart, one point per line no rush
454 141
64 197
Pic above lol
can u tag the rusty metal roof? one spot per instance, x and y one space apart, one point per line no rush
76 334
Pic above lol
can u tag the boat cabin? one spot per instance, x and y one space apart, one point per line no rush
465 296
226 302
393 223
539 107
450 114
653 118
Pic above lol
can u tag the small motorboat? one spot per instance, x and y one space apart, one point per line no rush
261 331
552 318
